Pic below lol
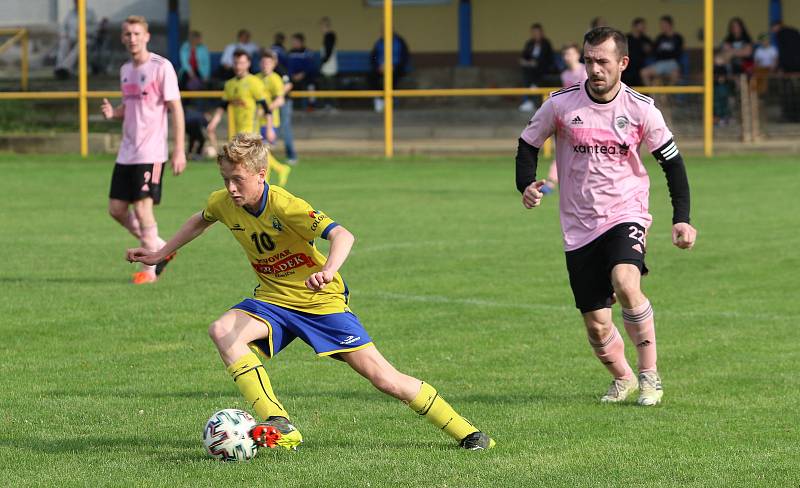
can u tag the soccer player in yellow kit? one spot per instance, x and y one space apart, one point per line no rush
242 95
300 294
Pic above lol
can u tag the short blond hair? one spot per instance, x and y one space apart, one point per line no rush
137 19
247 150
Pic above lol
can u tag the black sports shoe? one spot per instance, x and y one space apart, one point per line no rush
163 264
477 441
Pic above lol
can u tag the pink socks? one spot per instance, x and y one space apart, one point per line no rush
640 324
611 352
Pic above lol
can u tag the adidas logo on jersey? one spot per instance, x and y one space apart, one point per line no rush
577 120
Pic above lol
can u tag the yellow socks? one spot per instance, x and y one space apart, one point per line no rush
282 170
429 404
249 375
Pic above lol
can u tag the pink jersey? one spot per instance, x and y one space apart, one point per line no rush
145 90
571 77
600 173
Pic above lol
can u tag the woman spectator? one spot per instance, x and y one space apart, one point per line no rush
195 63
737 48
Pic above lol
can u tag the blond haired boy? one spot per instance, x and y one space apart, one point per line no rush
300 295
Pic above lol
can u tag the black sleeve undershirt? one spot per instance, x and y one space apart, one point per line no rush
674 169
263 104
223 104
527 159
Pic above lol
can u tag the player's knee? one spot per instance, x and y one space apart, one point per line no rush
627 292
117 213
598 331
218 331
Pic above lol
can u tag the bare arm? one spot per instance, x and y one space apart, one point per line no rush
277 103
110 112
193 227
179 131
341 243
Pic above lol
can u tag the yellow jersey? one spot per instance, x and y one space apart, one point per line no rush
279 243
242 94
273 88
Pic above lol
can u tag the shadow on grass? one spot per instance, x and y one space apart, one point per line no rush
80 280
105 443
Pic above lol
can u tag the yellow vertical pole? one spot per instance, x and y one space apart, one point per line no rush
388 85
82 85
24 67
548 144
708 79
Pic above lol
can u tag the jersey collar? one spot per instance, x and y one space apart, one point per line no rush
594 100
263 202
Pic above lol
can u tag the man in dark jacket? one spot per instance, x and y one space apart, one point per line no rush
536 61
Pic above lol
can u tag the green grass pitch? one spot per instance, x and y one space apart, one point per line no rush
107 384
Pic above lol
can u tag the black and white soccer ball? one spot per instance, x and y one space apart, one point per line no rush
227 435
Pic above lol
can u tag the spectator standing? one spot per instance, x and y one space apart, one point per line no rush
68 41
301 65
787 40
536 62
639 48
278 45
329 62
400 60
242 43
286 110
668 52
195 68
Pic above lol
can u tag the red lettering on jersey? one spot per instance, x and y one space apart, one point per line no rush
291 262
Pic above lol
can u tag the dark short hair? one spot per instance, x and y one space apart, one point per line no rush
299 36
638 20
269 53
667 19
569 46
280 37
599 35
240 52
242 32
537 25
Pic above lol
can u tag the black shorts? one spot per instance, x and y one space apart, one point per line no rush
590 266
132 182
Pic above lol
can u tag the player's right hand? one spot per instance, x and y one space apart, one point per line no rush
142 255
532 196
107 109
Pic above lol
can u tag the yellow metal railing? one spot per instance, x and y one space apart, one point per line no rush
388 93
21 35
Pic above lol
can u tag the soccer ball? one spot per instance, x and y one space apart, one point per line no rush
227 435
211 152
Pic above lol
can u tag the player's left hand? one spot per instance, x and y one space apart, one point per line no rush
142 255
683 235
271 136
318 280
532 196
178 162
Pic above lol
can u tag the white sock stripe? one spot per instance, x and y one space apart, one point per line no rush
670 146
672 157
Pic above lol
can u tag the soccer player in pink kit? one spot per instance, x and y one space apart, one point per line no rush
603 203
149 89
